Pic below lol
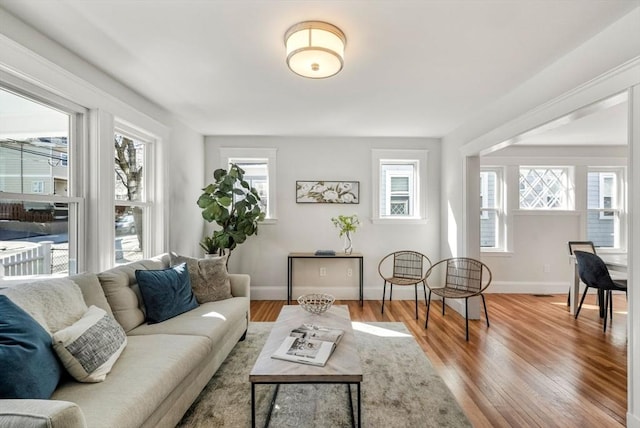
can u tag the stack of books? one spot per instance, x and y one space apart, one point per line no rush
325 253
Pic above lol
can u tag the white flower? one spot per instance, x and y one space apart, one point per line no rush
319 188
304 188
330 195
344 187
347 198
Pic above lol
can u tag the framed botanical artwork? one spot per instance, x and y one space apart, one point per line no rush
328 192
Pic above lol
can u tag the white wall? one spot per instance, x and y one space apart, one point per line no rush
186 171
308 227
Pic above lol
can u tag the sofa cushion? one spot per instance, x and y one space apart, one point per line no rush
146 373
92 291
166 292
209 320
55 303
90 347
122 292
30 368
209 277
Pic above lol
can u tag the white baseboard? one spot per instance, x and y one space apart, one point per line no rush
526 287
407 293
340 293
633 421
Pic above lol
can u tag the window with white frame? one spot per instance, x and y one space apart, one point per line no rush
259 166
399 184
491 212
544 188
604 207
40 182
133 199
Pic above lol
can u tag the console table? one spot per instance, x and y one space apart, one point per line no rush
293 256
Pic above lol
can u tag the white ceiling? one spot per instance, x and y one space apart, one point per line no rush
412 68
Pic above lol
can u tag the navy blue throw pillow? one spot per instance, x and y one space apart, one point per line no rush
166 293
30 368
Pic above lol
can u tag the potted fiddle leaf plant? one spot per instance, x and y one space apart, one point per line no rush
234 206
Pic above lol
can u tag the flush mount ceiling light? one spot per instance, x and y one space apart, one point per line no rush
315 49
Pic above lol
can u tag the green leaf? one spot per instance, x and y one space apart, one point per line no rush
219 173
204 200
225 201
251 199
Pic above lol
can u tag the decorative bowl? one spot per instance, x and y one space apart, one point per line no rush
316 303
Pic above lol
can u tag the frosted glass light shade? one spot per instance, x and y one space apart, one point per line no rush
315 49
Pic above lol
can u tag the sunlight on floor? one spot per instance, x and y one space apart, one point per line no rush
587 307
377 331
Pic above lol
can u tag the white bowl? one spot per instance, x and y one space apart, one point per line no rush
316 303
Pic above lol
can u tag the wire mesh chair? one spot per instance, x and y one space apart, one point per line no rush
409 268
458 278
588 247
594 273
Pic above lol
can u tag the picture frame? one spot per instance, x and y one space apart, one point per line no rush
327 192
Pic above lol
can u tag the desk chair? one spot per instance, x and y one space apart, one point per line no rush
594 273
586 246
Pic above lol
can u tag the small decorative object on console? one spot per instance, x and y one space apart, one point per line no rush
316 303
325 253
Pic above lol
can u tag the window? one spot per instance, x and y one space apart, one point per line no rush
133 161
259 166
544 188
491 212
604 207
41 203
399 180
399 177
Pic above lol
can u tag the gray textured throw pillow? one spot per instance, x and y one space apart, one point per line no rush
209 277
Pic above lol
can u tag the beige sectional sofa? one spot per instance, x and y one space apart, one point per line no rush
162 369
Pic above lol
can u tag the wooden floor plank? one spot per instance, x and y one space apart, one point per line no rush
534 366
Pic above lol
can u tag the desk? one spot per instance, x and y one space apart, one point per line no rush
615 262
293 256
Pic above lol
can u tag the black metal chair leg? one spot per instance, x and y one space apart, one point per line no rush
466 315
606 307
486 314
384 292
415 287
443 306
424 289
581 300
428 307
611 306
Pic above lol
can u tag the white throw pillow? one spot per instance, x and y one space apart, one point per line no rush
55 303
90 347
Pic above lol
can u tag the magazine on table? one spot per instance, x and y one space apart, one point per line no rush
309 344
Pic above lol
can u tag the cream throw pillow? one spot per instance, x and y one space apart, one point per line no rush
209 277
90 347
55 303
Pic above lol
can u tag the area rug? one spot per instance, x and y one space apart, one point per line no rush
399 388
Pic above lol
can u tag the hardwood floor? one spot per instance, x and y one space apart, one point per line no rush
535 366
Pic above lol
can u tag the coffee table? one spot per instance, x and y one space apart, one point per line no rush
343 366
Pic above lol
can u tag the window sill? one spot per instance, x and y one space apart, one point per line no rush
399 221
496 253
267 221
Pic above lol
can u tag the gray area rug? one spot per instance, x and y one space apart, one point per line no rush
400 388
